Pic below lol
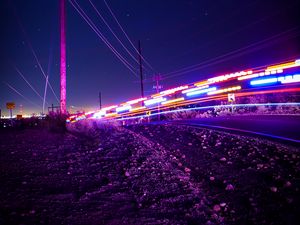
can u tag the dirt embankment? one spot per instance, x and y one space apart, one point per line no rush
157 174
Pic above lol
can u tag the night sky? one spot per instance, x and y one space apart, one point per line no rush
221 36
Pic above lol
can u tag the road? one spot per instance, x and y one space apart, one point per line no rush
282 127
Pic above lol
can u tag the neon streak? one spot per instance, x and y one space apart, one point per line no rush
99 114
225 90
170 91
248 77
123 108
214 106
201 83
135 101
173 101
88 113
109 107
173 90
156 95
289 79
260 74
201 91
284 65
228 76
264 81
194 89
154 101
111 114
137 109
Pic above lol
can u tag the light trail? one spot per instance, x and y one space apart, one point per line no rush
32 88
172 101
186 95
211 107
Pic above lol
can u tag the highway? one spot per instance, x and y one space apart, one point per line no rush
280 127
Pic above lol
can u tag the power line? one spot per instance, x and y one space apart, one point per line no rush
102 37
141 71
48 69
12 88
233 54
34 90
115 18
32 50
111 30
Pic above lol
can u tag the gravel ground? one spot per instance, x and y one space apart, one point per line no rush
154 174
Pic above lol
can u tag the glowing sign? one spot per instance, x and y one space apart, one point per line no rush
10 105
231 97
154 101
201 91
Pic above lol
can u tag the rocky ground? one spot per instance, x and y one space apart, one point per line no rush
154 174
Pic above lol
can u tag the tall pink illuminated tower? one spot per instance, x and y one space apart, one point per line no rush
63 72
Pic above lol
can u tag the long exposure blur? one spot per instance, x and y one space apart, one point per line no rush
150 112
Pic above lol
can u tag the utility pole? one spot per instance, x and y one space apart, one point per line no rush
141 70
63 72
21 109
100 100
157 78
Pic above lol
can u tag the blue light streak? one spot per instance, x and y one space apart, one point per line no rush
154 101
123 108
264 81
201 91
